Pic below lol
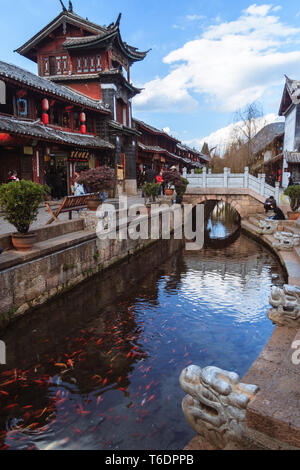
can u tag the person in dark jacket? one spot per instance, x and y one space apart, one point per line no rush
270 204
279 215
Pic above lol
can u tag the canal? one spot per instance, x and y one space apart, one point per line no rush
98 367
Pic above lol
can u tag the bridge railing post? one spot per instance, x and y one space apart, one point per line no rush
262 184
277 192
246 177
184 173
204 178
226 172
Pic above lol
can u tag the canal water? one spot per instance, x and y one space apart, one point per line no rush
98 367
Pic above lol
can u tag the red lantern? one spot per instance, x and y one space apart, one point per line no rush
45 104
82 117
83 129
45 119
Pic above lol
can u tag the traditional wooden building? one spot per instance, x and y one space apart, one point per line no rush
158 150
290 109
95 61
267 147
47 127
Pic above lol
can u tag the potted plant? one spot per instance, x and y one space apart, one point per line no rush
95 181
20 202
171 179
180 189
151 192
293 192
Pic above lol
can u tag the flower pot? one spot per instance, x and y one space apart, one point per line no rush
293 215
23 242
169 192
93 204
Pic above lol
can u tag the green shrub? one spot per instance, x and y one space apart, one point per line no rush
181 187
293 192
151 190
20 202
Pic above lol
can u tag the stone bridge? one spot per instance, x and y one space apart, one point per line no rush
244 192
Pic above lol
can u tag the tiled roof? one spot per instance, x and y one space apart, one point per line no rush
156 149
154 129
266 135
194 151
37 130
44 85
110 34
63 17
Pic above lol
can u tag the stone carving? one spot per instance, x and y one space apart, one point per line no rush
267 227
286 240
286 303
215 404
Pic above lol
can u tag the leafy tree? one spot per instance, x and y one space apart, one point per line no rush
98 179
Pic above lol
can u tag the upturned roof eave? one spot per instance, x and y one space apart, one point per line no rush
69 17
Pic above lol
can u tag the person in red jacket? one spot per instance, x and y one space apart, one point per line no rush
159 180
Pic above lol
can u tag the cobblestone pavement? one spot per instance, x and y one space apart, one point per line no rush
44 216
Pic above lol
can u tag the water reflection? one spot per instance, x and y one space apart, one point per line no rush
223 223
98 368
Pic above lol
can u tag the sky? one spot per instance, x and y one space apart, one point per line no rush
208 58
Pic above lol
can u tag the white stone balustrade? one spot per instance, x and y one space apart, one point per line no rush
234 181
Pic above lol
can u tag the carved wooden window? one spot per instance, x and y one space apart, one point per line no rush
85 64
92 64
65 63
58 65
46 66
98 63
79 69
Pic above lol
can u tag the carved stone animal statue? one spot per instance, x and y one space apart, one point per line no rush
267 227
215 404
286 306
286 240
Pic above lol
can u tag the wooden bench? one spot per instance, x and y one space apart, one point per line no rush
70 204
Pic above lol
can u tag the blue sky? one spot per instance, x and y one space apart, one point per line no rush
208 58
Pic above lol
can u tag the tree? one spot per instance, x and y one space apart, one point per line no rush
249 121
205 149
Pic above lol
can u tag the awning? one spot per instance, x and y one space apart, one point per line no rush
292 157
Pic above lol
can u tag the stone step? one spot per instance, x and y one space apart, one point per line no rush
274 414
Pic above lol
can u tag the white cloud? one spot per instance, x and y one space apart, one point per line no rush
195 17
230 65
222 137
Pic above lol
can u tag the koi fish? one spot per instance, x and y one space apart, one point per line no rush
61 364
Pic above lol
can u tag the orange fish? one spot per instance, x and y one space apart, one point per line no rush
61 364
151 398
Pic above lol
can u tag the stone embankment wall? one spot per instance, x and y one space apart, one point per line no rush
57 264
